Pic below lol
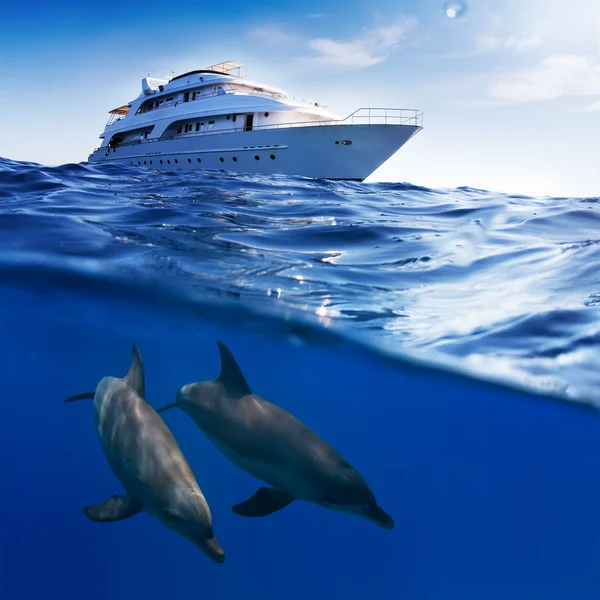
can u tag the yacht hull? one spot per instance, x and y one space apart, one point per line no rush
321 151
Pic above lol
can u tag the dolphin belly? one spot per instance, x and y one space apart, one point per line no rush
140 450
279 476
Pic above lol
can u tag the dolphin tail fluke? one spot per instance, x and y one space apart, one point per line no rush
115 508
266 501
135 376
167 407
84 396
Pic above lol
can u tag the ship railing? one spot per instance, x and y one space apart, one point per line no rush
166 104
224 92
385 116
362 116
114 118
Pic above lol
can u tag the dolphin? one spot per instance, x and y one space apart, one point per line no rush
272 445
146 459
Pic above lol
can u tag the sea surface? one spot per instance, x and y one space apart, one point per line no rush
445 341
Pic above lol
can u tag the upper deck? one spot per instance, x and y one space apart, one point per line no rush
206 84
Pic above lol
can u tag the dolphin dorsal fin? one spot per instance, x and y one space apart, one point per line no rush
231 376
135 376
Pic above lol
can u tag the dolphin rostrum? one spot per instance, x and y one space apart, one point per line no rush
146 459
274 446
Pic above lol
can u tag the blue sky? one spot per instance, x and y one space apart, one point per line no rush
510 91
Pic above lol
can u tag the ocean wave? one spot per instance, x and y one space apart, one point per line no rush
504 285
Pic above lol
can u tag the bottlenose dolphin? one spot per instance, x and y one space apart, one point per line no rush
274 446
146 459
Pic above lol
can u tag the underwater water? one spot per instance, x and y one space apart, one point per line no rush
445 342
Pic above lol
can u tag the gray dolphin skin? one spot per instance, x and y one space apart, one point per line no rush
272 445
146 459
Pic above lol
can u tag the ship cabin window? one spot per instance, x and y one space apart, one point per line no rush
211 124
234 118
150 106
169 99
198 126
194 94
186 97
180 129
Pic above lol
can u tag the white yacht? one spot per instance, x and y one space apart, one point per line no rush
216 119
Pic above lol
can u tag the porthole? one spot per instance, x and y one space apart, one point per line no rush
336 142
199 159
222 159
150 162
266 114
176 162
144 162
256 157
235 159
161 161
272 157
169 162
189 160
228 117
139 163
130 162
347 142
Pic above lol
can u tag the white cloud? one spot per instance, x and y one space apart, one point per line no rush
593 107
512 36
486 42
554 77
272 34
344 54
371 48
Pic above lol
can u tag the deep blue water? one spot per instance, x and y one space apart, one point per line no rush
376 313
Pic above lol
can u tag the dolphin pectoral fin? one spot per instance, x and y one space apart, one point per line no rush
135 375
166 407
231 375
115 508
84 396
265 502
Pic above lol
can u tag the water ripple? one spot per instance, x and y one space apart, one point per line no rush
507 285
